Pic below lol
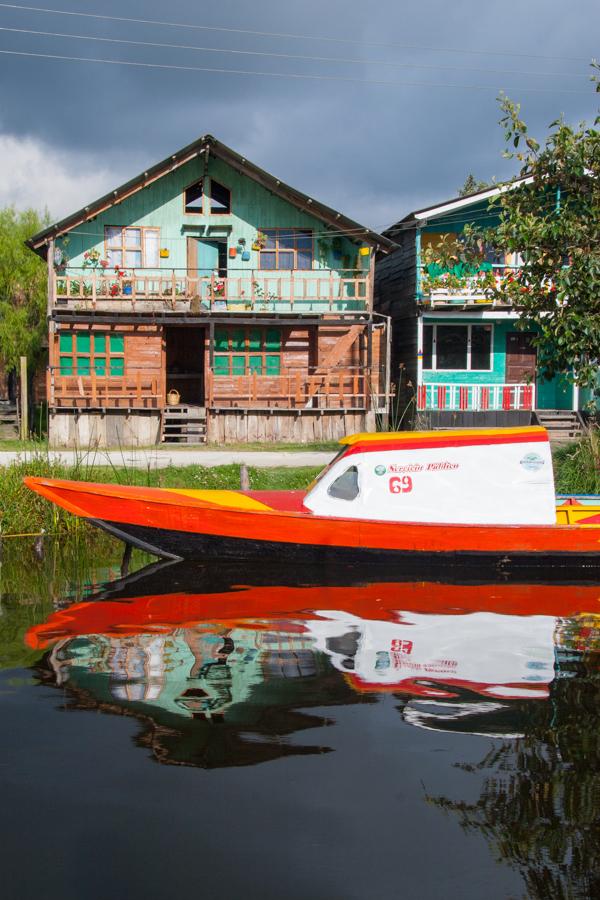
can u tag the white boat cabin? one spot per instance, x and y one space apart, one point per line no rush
474 477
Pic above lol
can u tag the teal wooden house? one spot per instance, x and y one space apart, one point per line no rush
457 350
206 298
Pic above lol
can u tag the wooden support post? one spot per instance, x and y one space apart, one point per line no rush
24 400
51 280
244 478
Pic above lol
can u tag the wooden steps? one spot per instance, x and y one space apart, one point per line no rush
183 424
9 422
563 425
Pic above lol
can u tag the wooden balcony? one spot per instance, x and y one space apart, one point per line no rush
484 288
349 389
476 397
318 388
242 291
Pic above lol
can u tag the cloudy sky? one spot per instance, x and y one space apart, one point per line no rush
399 106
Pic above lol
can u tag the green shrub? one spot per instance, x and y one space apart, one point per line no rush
577 466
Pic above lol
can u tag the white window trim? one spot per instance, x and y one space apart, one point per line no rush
469 326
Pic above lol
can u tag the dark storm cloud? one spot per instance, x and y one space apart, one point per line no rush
373 151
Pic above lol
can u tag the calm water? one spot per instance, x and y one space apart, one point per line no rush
248 732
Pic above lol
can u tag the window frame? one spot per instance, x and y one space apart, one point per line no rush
209 198
469 326
75 354
143 229
201 182
277 250
248 353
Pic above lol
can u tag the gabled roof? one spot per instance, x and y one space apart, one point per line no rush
207 144
440 209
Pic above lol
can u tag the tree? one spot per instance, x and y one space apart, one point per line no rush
23 288
552 219
472 186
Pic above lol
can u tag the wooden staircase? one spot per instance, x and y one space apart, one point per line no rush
563 425
183 424
9 421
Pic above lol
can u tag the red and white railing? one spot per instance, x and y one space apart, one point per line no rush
475 397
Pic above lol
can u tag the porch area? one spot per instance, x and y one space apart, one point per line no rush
476 397
487 287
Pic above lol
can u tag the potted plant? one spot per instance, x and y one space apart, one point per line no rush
260 241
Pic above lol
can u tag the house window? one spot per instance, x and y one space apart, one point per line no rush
132 248
457 347
243 351
193 198
287 248
220 198
81 353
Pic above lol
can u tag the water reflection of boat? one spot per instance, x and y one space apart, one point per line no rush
186 648
459 497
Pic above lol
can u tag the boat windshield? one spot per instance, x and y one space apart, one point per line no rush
327 469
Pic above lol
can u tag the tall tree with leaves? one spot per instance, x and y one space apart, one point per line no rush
23 288
552 219
472 186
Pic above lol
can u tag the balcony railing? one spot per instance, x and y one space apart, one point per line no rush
76 391
476 397
350 388
242 290
484 287
298 389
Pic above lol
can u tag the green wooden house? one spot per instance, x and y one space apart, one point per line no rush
206 298
457 351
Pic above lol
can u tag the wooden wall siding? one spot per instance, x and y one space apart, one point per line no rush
395 295
253 208
140 387
227 427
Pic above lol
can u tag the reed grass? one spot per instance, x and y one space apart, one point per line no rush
577 466
24 512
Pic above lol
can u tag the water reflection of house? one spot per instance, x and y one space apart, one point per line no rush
249 682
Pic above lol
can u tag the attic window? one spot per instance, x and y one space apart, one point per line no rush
220 198
193 198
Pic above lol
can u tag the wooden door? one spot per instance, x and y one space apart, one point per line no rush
520 358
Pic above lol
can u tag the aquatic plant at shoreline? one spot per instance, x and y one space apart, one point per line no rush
24 512
577 466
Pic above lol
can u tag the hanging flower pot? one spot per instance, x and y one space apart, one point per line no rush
232 252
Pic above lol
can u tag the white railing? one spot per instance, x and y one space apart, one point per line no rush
475 397
241 290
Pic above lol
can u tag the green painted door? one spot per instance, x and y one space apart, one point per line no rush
208 257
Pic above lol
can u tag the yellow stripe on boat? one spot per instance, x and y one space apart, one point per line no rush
230 499
588 516
385 436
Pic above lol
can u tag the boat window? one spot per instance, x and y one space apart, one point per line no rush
345 486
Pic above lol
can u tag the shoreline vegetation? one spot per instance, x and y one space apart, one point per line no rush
576 469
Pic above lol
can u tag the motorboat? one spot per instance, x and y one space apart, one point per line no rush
474 497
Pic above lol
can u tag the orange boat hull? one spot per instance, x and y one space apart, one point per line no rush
175 524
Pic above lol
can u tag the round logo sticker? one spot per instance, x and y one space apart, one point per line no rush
532 462
380 470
